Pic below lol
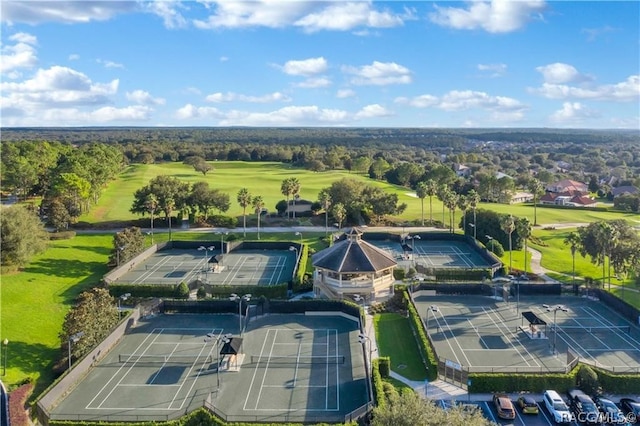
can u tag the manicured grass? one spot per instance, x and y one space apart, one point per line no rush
395 340
400 386
36 300
265 178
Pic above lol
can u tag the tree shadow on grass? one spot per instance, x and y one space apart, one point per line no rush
67 268
33 359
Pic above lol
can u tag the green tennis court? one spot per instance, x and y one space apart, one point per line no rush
241 267
482 334
286 367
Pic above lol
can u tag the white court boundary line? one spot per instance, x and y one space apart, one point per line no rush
144 385
267 359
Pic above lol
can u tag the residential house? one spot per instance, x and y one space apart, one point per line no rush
624 190
462 170
568 185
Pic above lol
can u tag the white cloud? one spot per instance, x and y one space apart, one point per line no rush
624 91
77 117
191 111
573 113
287 116
263 13
74 57
348 15
460 100
236 97
223 58
168 11
58 86
20 55
379 74
345 93
422 101
310 16
314 83
560 73
305 67
494 70
36 12
373 110
109 64
495 16
144 98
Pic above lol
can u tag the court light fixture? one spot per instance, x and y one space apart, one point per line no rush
74 338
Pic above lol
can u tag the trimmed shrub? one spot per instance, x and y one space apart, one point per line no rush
221 221
378 384
399 274
202 293
587 380
384 366
182 291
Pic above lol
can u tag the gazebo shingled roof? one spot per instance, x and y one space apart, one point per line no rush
353 255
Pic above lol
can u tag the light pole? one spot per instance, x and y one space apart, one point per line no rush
5 343
413 244
293 248
473 227
235 298
555 310
434 309
74 338
122 298
118 250
364 340
489 240
224 339
298 233
222 234
206 259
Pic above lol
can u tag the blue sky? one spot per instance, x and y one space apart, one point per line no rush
500 63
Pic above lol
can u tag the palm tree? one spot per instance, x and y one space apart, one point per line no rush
441 193
452 203
573 241
463 205
431 191
258 204
421 193
151 204
325 201
169 205
608 235
295 190
474 199
537 189
244 199
286 190
524 230
339 213
508 226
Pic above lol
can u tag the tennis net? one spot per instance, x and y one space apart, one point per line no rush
298 360
169 359
593 330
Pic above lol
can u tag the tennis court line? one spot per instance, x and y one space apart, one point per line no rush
581 351
603 320
149 272
513 336
455 353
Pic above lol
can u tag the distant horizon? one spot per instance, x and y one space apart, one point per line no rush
281 63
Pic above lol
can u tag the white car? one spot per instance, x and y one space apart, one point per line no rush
557 407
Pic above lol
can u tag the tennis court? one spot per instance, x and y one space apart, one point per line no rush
482 334
242 267
433 253
289 367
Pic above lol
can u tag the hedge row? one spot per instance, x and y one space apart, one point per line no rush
446 274
170 291
300 284
512 382
618 383
200 417
143 290
378 384
270 292
423 342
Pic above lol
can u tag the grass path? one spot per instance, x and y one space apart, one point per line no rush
395 340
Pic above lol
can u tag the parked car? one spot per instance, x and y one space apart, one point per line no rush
583 407
504 407
611 414
630 406
556 406
528 405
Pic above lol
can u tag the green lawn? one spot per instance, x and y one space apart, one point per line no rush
395 340
265 178
35 301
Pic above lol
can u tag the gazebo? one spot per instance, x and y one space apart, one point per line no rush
353 267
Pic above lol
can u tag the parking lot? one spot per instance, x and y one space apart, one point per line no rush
543 418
